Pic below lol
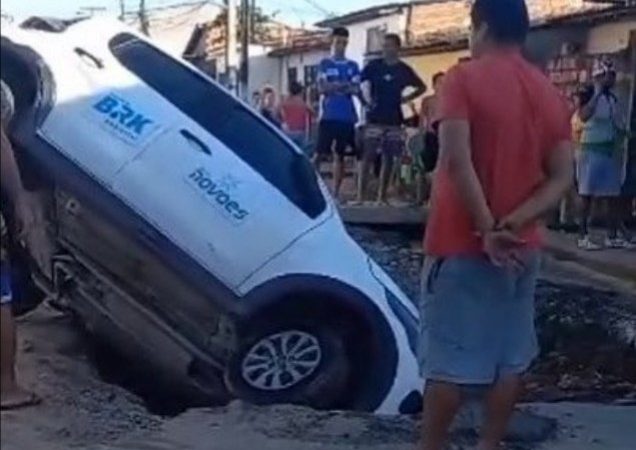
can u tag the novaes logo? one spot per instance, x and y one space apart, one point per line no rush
218 192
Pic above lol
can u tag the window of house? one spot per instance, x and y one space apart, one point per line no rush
292 75
227 119
311 75
375 38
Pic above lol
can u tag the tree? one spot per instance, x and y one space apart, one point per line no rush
262 24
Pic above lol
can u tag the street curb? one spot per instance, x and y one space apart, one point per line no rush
605 266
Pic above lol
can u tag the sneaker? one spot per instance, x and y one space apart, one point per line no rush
617 243
587 245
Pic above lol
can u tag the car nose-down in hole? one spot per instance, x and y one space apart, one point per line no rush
194 236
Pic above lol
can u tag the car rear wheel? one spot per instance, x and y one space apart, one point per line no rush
292 363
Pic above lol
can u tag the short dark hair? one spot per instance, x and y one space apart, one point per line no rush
437 76
397 40
340 32
508 20
295 88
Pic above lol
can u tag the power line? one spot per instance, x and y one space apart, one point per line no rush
318 7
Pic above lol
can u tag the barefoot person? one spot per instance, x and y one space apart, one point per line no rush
386 81
505 160
338 83
30 217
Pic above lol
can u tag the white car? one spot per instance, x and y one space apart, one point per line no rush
193 235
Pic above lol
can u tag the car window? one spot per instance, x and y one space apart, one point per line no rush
214 109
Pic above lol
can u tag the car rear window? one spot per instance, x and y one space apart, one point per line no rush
214 109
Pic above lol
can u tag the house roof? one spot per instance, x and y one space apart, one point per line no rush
445 25
209 39
363 15
442 25
309 41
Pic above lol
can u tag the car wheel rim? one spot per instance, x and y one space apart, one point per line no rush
280 361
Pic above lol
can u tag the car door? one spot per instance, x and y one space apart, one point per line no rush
95 120
219 181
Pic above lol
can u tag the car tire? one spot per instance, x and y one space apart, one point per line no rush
323 388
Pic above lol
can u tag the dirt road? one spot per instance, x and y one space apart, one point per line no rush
80 411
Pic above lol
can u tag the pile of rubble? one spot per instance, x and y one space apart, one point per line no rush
587 337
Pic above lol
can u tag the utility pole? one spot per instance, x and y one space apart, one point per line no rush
143 18
244 74
252 20
231 57
122 9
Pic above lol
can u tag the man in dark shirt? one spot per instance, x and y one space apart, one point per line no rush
385 81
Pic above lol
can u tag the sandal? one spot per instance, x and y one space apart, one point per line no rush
31 399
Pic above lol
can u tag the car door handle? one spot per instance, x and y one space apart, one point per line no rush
198 143
84 54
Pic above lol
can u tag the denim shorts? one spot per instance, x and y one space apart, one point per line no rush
477 320
5 285
598 174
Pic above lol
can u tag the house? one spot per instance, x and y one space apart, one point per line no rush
438 31
299 60
435 36
207 49
171 27
435 32
367 27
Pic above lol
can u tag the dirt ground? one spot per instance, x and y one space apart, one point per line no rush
80 411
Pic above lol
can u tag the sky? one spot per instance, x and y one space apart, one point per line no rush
293 11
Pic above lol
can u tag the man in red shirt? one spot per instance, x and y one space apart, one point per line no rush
505 160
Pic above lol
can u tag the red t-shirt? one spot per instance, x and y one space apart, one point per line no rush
296 114
516 118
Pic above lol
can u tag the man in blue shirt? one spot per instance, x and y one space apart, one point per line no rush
338 83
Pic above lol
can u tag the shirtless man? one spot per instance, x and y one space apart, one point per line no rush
30 219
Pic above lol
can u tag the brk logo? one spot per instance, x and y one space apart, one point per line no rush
121 118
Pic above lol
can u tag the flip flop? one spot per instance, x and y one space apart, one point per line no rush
30 400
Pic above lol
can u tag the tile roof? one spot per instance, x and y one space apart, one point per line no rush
208 39
365 14
446 23
308 41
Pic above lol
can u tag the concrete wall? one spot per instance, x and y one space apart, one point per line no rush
263 69
611 37
299 61
358 34
545 44
428 65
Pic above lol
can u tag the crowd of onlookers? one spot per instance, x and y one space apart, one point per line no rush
500 138
401 151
